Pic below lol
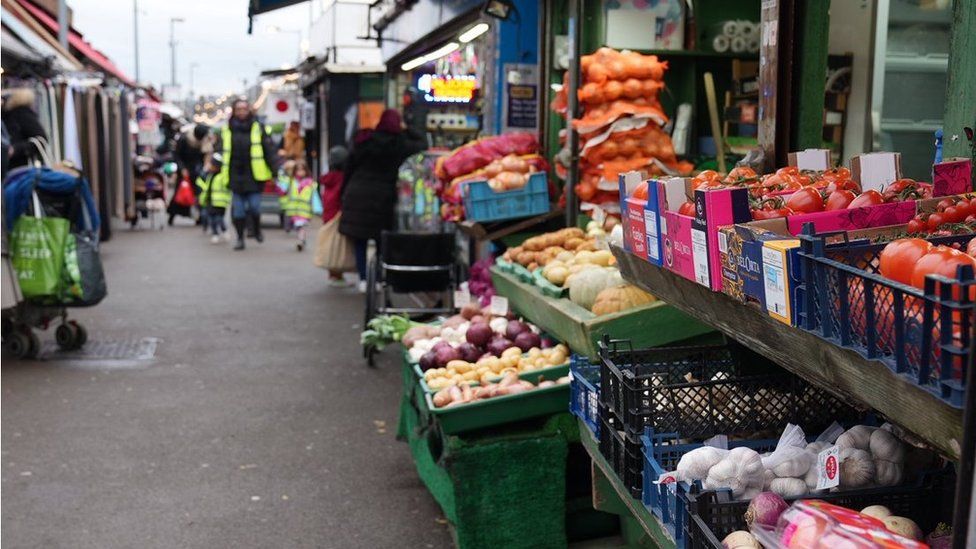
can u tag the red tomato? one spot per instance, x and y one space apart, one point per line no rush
951 215
867 198
934 221
843 184
943 204
740 173
839 200
964 208
971 247
897 260
640 192
805 200
915 226
902 190
942 261
688 209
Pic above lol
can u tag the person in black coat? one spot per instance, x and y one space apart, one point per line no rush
22 124
369 194
191 148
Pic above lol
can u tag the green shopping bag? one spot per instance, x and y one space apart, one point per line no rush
37 253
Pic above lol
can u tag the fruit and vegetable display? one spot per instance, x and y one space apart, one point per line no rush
570 259
510 384
868 457
504 161
816 524
953 215
910 260
791 191
620 125
471 335
489 367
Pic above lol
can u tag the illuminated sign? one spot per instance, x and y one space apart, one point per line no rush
441 88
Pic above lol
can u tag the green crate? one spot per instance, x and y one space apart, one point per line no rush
548 288
552 372
500 410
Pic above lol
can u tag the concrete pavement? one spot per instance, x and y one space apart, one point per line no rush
256 425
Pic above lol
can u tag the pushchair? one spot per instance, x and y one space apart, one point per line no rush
150 195
408 267
46 193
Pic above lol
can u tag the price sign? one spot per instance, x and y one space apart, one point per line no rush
599 215
462 297
498 305
828 468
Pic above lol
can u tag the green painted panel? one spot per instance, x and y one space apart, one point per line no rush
809 70
961 83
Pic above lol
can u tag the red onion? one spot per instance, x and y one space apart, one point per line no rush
765 509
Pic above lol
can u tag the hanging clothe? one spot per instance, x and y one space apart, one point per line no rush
71 137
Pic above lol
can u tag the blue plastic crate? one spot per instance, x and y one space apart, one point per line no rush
661 453
921 334
483 204
584 388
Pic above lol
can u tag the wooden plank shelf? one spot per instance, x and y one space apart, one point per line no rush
653 324
620 501
839 370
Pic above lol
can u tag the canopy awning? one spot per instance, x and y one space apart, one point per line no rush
30 38
78 42
14 47
257 7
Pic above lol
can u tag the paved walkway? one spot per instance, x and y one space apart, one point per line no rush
256 425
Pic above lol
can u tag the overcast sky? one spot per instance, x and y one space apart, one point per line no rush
214 35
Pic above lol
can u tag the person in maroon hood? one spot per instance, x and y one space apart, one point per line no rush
369 193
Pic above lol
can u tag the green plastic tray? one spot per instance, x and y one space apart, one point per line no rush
500 410
552 372
548 288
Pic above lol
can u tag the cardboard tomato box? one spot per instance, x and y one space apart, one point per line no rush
632 216
689 244
953 176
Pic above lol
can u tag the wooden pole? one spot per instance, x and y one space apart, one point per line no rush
713 117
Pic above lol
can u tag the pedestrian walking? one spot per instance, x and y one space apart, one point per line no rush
298 201
369 194
183 199
214 197
292 142
248 164
330 188
22 124
192 147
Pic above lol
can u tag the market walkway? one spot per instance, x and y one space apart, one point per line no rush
257 425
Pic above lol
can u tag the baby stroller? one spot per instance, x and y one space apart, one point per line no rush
415 265
55 255
150 194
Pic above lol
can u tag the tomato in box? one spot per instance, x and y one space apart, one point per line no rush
689 244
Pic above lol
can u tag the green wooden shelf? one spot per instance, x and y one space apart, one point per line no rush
619 501
649 325
839 370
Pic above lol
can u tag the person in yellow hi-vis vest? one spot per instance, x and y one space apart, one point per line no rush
298 201
249 161
214 197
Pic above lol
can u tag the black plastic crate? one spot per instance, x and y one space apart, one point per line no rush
922 334
712 514
622 452
705 390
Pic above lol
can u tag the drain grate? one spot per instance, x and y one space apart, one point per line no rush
124 349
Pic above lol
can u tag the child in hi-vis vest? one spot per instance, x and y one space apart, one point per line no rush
299 201
214 197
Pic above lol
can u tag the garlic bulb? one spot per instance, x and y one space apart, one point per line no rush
792 462
741 470
886 446
695 464
811 479
768 477
788 487
856 468
888 473
858 436
818 446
